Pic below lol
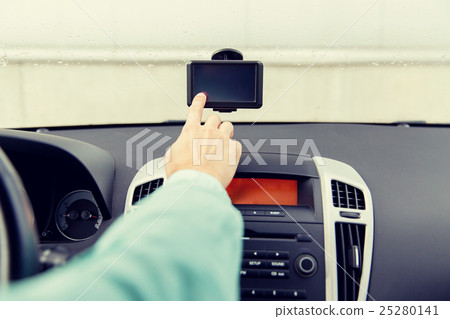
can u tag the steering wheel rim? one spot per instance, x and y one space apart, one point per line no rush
4 251
21 258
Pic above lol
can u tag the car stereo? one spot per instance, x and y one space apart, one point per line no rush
283 236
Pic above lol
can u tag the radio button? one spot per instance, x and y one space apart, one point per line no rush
276 213
255 254
273 293
254 264
254 213
249 273
304 238
283 264
274 274
295 294
252 292
278 254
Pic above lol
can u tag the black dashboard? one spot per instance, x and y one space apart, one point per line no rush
401 172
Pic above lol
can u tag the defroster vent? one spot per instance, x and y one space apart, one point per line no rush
349 255
146 189
346 196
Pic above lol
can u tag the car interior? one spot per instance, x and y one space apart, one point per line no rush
344 176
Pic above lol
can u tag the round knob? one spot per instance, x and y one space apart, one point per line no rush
306 265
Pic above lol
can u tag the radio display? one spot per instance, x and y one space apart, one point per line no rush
263 191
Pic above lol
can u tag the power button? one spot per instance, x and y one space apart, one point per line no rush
306 265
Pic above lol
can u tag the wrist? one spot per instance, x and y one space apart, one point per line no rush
204 178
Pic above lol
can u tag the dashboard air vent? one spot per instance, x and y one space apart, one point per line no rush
346 196
349 253
146 189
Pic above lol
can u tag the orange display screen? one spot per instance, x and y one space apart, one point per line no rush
263 191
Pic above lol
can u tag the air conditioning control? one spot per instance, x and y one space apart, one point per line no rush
306 265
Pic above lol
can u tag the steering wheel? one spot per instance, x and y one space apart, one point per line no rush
18 233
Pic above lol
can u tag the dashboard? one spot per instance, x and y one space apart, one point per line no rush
351 212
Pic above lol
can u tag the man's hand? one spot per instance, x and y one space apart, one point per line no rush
208 148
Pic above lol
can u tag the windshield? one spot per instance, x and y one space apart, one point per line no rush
79 62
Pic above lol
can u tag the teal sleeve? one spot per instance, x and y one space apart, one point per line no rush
182 243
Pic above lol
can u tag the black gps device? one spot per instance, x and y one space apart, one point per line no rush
230 84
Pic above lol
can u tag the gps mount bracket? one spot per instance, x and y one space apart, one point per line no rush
227 54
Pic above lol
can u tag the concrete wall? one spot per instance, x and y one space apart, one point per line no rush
54 94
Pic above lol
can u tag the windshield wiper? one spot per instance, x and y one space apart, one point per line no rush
409 123
418 124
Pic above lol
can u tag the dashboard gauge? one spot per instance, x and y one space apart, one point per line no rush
78 216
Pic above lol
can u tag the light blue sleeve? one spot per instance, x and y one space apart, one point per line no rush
182 243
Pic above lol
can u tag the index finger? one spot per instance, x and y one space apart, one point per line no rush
196 110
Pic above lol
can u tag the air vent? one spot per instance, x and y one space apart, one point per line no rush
346 196
146 189
349 256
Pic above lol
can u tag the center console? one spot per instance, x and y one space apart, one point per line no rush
308 228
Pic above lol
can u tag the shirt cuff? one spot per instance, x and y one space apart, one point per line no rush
205 179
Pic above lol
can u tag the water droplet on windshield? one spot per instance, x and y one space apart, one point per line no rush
3 60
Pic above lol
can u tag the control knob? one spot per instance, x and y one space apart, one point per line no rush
306 265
